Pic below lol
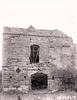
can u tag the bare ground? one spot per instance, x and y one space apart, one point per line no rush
32 96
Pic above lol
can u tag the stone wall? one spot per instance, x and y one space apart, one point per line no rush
56 49
75 49
0 81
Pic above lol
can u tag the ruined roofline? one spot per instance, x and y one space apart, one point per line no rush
35 32
19 28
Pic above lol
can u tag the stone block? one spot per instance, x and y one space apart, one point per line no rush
20 88
5 89
53 85
13 88
25 89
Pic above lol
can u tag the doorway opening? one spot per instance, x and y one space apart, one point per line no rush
39 81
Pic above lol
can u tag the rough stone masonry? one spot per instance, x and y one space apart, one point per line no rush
31 56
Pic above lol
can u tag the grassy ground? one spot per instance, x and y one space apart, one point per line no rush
48 96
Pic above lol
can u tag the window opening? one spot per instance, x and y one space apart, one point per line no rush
10 77
24 76
34 55
52 77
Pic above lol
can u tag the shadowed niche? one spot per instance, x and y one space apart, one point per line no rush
18 70
39 81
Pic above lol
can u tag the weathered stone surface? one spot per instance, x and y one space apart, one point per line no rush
56 50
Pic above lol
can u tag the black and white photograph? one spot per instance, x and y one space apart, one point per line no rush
38 49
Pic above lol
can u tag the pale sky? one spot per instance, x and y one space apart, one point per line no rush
42 14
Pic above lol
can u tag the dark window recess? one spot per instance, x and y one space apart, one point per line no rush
39 81
34 55
52 77
24 76
10 77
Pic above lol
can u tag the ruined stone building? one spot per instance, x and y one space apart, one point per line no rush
31 56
